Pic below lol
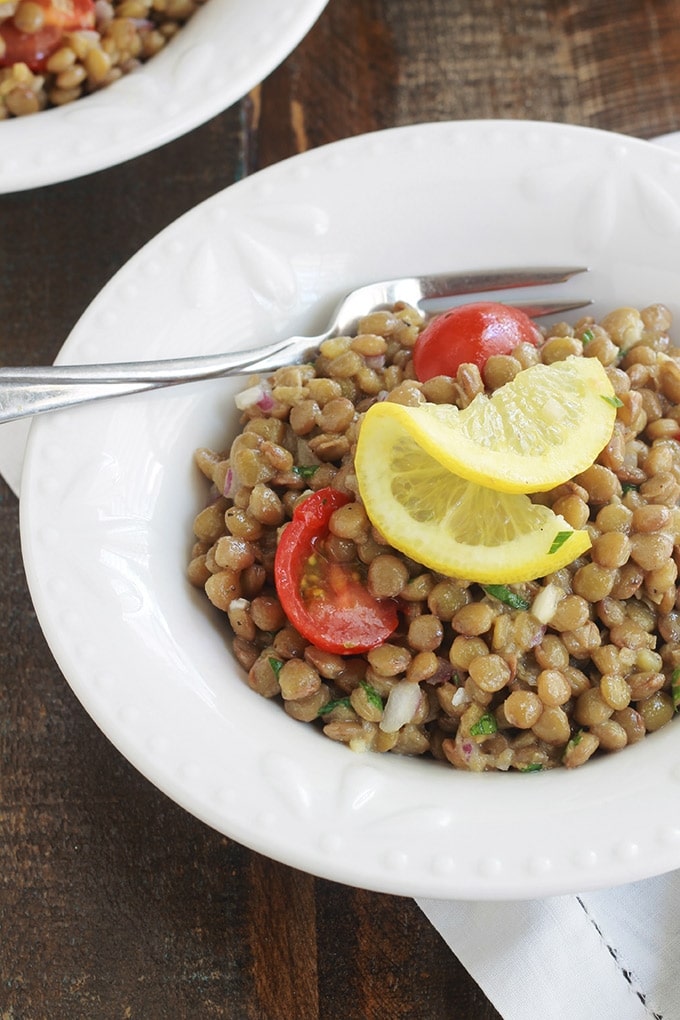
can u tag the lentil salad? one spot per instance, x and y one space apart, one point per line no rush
527 676
52 53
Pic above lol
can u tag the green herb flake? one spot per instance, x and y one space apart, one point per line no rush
558 541
533 766
586 337
484 726
305 470
506 596
675 689
337 703
372 695
614 401
628 487
574 742
276 665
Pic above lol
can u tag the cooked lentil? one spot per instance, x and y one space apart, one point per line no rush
500 688
126 34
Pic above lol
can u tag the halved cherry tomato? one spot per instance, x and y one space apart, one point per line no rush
33 48
323 599
470 334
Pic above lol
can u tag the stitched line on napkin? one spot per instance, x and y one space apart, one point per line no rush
626 974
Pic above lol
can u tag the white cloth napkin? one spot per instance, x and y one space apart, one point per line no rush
610 955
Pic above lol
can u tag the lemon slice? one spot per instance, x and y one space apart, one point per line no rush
545 426
451 525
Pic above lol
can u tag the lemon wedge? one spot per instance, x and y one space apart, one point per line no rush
451 525
545 426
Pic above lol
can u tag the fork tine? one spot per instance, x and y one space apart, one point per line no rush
536 309
450 285
434 292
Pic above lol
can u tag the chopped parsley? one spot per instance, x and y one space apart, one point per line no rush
484 726
276 665
614 401
559 540
628 487
586 337
533 766
575 740
506 595
305 470
675 689
337 703
372 695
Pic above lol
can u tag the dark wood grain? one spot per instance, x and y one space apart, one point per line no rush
114 902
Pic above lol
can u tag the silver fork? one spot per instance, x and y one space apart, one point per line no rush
31 390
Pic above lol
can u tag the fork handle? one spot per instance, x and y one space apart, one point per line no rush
24 399
31 390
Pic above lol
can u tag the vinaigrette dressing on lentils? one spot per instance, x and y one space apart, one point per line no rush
527 676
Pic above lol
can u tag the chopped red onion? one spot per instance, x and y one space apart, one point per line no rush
400 708
537 637
443 674
231 484
461 697
544 605
259 395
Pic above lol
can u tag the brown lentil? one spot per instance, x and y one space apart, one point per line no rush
522 709
473 619
656 711
500 688
552 726
579 749
552 687
551 653
389 660
423 666
491 673
614 691
297 679
611 550
267 613
262 675
425 633
387 576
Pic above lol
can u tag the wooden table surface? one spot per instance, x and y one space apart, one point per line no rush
114 902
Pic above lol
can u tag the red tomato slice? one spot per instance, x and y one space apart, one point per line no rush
470 334
324 600
33 48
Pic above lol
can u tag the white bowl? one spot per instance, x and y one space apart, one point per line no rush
220 54
109 493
